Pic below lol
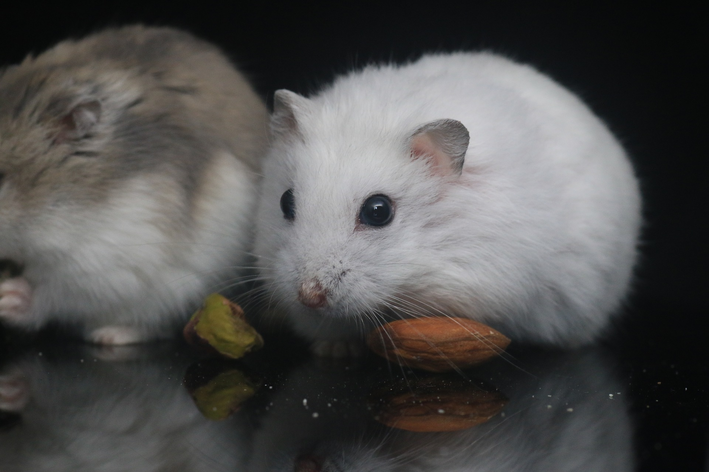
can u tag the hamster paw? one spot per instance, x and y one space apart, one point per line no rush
117 353
15 299
338 349
116 336
14 392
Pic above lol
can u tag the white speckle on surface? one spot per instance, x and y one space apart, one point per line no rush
570 410
81 360
316 414
39 354
441 411
549 396
548 407
610 395
329 405
305 402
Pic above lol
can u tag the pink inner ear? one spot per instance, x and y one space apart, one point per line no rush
78 122
423 147
67 129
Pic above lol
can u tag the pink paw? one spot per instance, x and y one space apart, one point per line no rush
116 336
14 392
15 299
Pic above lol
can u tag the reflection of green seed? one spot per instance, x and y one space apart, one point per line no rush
221 324
223 395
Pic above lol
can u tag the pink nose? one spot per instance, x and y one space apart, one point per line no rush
312 294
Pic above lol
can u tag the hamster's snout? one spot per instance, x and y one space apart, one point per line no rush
312 294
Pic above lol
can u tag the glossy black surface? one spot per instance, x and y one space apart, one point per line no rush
630 404
74 407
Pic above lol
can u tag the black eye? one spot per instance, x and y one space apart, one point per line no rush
288 204
377 210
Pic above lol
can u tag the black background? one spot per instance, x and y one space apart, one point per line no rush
642 69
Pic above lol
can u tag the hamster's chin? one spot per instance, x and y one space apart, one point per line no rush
337 314
334 312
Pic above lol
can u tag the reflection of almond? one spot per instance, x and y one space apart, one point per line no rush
435 404
437 344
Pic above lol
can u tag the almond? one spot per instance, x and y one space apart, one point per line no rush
437 344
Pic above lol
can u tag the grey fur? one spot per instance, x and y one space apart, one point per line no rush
182 105
130 161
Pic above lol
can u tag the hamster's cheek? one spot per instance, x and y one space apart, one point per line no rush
271 237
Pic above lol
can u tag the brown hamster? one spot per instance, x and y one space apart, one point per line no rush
129 163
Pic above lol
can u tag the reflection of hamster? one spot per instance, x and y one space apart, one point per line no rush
128 163
461 184
81 414
560 417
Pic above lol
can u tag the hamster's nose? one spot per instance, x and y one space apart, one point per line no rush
312 294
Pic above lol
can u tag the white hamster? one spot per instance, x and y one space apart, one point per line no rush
128 165
461 184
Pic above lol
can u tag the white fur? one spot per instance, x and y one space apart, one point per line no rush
118 265
537 237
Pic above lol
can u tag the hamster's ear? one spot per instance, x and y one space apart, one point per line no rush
79 122
287 106
443 143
